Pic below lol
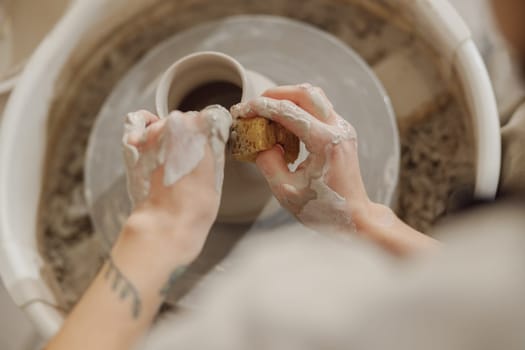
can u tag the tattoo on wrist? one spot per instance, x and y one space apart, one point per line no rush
122 286
174 276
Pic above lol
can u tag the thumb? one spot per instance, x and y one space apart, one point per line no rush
273 166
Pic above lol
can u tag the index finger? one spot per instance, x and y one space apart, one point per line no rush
310 98
295 119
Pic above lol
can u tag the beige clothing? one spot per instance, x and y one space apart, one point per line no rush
305 291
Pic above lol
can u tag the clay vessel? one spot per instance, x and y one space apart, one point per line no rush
245 193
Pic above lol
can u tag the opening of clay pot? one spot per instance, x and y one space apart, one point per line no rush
200 80
206 78
216 92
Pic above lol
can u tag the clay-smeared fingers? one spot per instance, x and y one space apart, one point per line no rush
136 127
153 132
310 98
218 121
306 127
188 116
190 120
149 117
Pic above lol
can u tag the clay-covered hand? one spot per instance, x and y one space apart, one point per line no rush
325 189
175 169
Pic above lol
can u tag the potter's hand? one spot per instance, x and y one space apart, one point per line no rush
175 172
326 191
327 187
175 167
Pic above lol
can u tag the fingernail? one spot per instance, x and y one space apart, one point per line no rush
217 110
216 107
240 109
280 148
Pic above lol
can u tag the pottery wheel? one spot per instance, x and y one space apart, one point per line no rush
286 51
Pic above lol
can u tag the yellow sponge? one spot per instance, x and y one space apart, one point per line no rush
253 135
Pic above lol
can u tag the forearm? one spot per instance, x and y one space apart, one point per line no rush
380 224
125 296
